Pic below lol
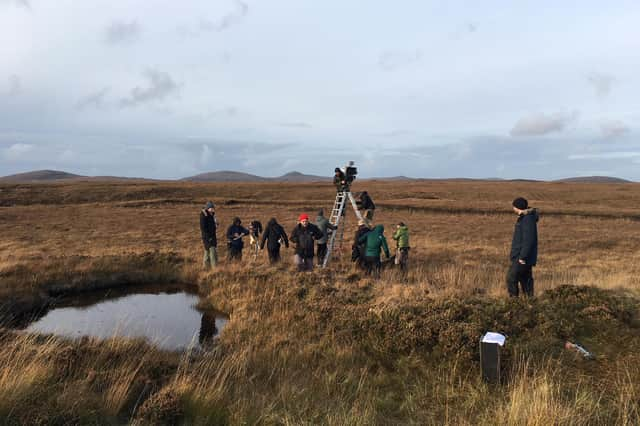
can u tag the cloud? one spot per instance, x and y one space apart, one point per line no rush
228 20
471 27
161 86
120 32
601 83
612 129
606 156
19 3
394 59
17 150
222 23
542 124
396 133
94 100
296 125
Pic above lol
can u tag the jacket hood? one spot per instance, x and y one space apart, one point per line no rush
378 229
272 221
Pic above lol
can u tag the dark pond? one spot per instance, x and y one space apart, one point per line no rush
168 317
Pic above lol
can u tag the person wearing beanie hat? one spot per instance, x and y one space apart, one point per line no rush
520 203
325 227
524 249
303 236
208 227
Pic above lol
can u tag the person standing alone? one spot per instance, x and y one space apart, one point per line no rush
208 226
524 249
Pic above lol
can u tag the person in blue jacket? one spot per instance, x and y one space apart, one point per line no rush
524 249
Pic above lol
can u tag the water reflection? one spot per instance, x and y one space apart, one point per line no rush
168 317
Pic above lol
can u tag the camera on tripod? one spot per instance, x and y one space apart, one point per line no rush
345 176
350 172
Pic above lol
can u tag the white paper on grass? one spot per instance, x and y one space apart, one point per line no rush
491 337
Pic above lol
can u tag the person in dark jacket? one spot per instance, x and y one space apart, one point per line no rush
357 248
234 239
366 204
208 226
375 241
274 236
339 180
303 235
325 227
524 249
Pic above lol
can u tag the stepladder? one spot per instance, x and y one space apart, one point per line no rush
338 220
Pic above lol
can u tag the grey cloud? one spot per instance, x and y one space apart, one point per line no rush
228 20
601 83
160 86
94 100
234 17
612 129
296 124
119 32
610 155
397 133
542 124
394 59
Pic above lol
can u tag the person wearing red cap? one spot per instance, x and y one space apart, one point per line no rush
303 236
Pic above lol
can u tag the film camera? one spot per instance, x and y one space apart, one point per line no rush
350 172
345 176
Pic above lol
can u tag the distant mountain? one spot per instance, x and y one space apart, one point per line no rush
594 179
225 176
40 176
229 176
300 177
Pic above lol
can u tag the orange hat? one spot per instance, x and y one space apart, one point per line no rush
303 216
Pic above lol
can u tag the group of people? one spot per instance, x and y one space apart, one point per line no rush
310 240
369 242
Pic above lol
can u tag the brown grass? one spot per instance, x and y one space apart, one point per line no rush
334 346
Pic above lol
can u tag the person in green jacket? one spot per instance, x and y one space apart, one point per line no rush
374 241
402 245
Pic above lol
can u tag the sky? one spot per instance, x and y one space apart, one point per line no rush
168 89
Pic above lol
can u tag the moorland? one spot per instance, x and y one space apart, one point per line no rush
332 346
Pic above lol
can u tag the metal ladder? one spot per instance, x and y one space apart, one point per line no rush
338 219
